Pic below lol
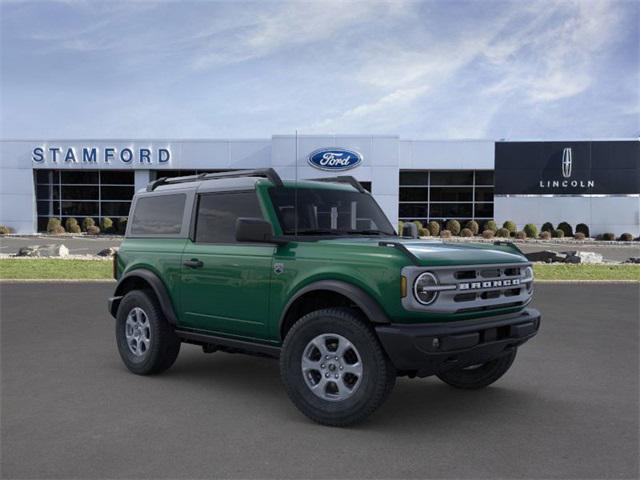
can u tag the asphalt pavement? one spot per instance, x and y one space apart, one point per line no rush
568 408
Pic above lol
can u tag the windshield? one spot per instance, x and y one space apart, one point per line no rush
328 212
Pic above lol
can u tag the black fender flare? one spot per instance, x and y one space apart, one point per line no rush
157 286
363 300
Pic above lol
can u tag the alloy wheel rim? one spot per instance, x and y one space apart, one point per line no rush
332 367
138 332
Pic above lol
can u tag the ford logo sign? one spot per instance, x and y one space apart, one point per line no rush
334 159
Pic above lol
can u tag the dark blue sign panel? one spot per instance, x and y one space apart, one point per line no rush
334 159
572 168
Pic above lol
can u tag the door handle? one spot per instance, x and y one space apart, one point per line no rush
193 263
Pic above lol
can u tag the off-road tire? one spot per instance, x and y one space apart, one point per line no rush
164 344
480 377
378 376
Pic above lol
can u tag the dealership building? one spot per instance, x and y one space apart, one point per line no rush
596 182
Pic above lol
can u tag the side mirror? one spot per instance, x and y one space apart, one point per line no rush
255 230
409 230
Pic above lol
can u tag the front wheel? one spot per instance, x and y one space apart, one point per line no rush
334 368
479 376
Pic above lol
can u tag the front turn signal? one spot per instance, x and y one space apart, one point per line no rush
403 286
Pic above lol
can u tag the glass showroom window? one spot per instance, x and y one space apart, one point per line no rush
79 194
446 194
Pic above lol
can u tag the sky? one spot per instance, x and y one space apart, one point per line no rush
420 70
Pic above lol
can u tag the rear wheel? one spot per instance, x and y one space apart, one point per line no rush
146 342
481 375
334 368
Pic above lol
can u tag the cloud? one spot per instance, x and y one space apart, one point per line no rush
418 69
287 25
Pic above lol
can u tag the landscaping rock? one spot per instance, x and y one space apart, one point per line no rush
546 256
108 252
583 257
30 251
52 250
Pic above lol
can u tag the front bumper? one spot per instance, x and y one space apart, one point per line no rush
427 349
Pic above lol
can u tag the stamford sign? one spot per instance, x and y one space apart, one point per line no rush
334 159
94 155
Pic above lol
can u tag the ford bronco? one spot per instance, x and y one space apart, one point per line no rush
312 272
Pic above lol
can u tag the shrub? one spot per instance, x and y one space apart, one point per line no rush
106 226
531 230
521 235
54 225
71 225
547 227
93 230
473 226
566 228
511 226
557 233
5 230
608 236
545 235
434 228
70 222
503 233
87 222
626 237
400 226
453 226
579 236
445 234
424 232
583 228
466 232
491 225
121 225
488 234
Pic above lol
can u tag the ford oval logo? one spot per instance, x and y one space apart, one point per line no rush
334 159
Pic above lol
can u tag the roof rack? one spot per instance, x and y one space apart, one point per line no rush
342 179
269 173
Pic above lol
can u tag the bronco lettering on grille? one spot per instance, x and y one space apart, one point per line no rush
488 284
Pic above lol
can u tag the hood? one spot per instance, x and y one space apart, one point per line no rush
437 253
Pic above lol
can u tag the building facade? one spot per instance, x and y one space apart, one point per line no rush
592 182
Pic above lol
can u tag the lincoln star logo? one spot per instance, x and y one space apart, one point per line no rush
488 284
567 160
334 159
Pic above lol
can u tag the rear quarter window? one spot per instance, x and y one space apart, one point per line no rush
158 215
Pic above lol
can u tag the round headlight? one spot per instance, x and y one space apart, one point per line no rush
528 274
424 290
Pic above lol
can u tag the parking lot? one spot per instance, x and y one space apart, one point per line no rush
567 409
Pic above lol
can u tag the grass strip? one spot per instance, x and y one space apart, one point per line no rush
565 271
62 269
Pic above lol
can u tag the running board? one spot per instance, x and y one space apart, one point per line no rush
228 343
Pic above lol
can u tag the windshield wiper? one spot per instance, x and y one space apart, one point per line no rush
319 232
369 232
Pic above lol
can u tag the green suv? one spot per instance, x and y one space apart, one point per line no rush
312 272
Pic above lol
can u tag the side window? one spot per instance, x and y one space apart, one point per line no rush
218 212
158 215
